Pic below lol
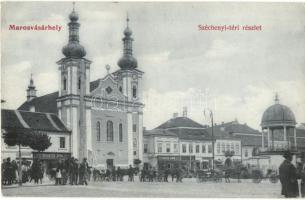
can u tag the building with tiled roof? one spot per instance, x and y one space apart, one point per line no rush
105 115
178 141
36 122
250 139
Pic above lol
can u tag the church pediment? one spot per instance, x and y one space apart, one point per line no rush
108 89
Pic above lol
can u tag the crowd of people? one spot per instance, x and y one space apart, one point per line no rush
72 172
10 175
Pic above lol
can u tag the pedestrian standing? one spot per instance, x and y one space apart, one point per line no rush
301 173
83 168
288 177
166 173
75 172
130 174
119 174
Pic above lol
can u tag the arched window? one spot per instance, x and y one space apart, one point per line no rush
98 131
134 92
120 132
79 83
110 131
65 83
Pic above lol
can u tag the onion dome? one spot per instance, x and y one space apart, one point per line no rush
73 49
73 16
127 61
278 115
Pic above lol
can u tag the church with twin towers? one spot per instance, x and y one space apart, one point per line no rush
105 116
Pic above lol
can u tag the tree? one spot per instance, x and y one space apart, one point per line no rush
26 137
40 141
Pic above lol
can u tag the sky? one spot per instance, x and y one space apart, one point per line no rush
233 73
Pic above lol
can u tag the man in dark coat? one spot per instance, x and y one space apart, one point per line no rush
301 173
288 177
83 169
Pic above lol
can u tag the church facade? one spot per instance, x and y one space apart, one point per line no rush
105 115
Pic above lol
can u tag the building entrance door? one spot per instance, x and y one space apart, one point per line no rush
109 163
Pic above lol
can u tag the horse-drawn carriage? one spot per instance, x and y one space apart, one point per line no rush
257 176
209 175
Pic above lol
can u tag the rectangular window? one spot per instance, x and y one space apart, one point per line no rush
232 147
203 148
191 148
223 147
210 148
197 148
237 149
134 128
183 148
227 147
145 148
159 147
168 148
218 148
176 148
62 142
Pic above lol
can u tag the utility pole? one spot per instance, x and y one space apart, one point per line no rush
212 122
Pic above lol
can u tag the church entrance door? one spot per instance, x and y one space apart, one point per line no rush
109 163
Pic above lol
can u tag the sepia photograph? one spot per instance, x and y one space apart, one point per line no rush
153 99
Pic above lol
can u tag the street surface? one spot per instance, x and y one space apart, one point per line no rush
189 188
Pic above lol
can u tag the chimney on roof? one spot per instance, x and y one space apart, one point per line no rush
184 113
222 122
175 115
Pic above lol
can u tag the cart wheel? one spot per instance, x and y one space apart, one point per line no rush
274 179
257 180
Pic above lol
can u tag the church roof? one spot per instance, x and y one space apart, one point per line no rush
179 122
47 103
17 119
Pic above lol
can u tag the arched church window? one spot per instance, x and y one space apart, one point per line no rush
79 83
65 83
120 88
110 131
98 131
121 132
134 92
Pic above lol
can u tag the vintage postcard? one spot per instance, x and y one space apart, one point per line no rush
153 99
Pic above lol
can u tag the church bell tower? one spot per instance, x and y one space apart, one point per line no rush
130 84
74 81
